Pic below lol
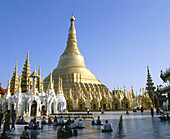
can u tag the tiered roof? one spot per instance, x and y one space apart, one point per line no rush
14 80
25 75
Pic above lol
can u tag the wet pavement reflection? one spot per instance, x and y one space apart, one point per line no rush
136 125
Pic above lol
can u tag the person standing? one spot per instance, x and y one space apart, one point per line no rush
152 112
142 109
88 111
1 117
13 119
7 122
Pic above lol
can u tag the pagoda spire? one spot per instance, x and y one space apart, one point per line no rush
76 59
124 91
132 92
14 80
150 85
72 28
70 94
8 93
51 83
60 87
39 81
72 39
25 75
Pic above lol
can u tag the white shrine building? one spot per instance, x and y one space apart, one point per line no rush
35 102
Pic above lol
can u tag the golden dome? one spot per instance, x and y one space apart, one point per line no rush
72 63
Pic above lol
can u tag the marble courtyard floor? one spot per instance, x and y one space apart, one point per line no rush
135 126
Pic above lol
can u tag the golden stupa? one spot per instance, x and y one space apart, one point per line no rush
73 71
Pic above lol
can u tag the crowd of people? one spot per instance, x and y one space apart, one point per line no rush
66 128
21 120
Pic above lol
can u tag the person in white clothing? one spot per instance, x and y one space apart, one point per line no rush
162 115
73 124
80 123
61 120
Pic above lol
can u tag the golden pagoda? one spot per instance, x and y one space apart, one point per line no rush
125 101
70 101
116 103
14 80
25 75
74 73
146 101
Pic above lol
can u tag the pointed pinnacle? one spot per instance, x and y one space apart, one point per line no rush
39 70
28 54
72 17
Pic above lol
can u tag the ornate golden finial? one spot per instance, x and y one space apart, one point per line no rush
8 83
39 81
51 85
8 88
72 29
60 87
124 90
72 17
16 65
39 72
28 55
70 94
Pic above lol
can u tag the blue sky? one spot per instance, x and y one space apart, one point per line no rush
118 38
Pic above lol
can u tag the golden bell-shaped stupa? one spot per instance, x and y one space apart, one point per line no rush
72 69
